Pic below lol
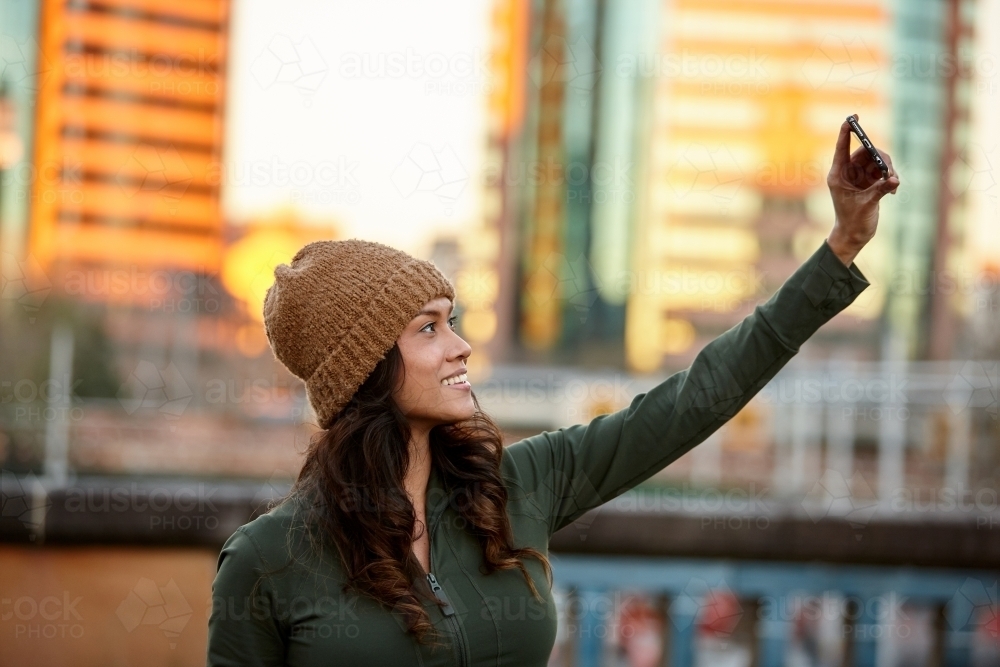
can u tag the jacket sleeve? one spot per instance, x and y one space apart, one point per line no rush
577 468
244 628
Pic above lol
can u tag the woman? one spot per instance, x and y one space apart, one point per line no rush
411 536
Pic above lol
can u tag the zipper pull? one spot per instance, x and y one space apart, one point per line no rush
440 594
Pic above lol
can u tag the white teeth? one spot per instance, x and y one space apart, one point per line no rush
454 380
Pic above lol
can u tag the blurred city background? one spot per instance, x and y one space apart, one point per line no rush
610 184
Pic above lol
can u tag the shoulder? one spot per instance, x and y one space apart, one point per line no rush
527 461
511 463
521 467
268 542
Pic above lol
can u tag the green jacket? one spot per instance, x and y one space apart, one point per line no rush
553 479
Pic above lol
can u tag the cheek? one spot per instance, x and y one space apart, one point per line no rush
424 365
422 376
420 384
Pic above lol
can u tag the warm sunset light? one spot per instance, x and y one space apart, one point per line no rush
718 386
248 265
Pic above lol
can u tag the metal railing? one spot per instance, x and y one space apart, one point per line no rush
844 437
753 612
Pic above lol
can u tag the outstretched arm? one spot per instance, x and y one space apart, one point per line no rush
574 469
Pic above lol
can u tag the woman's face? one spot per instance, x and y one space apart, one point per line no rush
432 352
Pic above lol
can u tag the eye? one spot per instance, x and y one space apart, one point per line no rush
451 323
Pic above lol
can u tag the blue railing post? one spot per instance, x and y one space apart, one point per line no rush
865 629
960 620
592 626
772 634
683 613
965 596
957 648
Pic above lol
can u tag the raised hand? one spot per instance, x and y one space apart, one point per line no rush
856 185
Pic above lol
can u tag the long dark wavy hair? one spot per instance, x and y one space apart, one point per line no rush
354 501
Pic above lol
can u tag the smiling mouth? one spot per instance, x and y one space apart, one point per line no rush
458 380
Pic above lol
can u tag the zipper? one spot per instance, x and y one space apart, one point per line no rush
448 610
449 614
440 594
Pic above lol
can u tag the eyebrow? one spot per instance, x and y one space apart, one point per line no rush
434 312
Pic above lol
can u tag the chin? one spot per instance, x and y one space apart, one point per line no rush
462 415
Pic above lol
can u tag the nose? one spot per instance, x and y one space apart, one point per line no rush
462 349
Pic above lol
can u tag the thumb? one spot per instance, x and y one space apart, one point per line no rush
887 186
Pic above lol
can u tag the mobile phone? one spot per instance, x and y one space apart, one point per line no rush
866 142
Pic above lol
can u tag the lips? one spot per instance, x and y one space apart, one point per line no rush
461 378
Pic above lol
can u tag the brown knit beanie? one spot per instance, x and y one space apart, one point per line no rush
338 309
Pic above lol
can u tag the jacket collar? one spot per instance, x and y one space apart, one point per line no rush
437 496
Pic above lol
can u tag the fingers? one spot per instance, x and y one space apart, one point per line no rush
888 161
872 170
892 180
887 186
864 164
861 171
842 153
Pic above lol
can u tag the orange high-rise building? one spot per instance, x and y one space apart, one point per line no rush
129 131
749 99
